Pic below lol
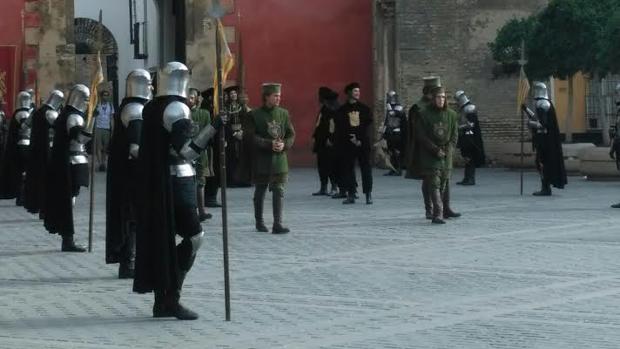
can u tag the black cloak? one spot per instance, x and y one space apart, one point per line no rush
471 146
36 174
13 161
548 147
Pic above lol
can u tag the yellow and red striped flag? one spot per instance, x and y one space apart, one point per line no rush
228 62
523 89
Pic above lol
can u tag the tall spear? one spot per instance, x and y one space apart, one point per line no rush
523 90
92 104
217 11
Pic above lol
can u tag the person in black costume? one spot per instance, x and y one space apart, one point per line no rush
212 183
167 194
122 179
324 139
614 150
17 151
395 132
470 138
68 170
40 151
547 143
353 134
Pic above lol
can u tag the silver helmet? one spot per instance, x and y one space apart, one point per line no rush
24 100
392 97
540 90
55 99
138 84
78 97
461 98
173 80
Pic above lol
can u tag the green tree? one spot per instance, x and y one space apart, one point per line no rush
609 45
506 49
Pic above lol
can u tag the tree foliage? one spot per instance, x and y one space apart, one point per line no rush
506 49
609 45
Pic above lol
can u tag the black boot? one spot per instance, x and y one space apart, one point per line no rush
428 202
615 205
278 208
368 199
447 211
68 245
545 189
259 197
126 270
167 305
341 194
202 213
350 198
437 206
159 307
322 191
469 177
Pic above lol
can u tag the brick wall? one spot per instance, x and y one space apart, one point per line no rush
449 38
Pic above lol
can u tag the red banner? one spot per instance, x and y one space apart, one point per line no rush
8 76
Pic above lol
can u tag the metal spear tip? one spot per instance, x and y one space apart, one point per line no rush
216 9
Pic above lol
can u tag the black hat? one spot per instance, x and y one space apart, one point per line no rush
231 88
207 93
351 86
326 93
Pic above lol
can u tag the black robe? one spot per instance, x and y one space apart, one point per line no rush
122 182
13 161
61 182
156 256
471 145
243 173
36 174
549 150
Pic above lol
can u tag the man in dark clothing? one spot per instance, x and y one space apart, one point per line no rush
243 173
234 135
273 135
353 135
17 151
324 139
614 150
212 181
470 138
547 143
167 194
68 169
40 145
412 152
122 179
395 132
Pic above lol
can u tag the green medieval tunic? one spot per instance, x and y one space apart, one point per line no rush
200 119
436 129
269 124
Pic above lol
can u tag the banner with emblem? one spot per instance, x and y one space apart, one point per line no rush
8 76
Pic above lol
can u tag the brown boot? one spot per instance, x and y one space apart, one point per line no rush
437 206
447 211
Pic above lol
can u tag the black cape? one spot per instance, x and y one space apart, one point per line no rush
36 174
321 132
58 199
156 256
471 146
121 187
549 151
12 161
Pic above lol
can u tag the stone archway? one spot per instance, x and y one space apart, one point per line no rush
85 36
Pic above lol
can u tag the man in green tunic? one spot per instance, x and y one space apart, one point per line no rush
273 135
412 152
200 119
437 132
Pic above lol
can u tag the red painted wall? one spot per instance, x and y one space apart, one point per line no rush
11 35
304 45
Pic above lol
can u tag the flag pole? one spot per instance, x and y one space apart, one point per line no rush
89 119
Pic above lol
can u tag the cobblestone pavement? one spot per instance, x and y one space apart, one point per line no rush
513 272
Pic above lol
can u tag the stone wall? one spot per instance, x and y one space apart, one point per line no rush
449 38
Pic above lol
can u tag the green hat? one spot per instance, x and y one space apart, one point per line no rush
270 88
432 81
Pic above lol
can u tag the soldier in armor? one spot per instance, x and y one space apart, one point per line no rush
614 150
17 151
40 152
167 193
353 134
412 153
243 174
234 135
273 136
470 138
394 132
200 119
324 139
122 176
4 128
68 170
437 132
547 143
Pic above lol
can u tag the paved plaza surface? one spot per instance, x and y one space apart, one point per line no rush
513 272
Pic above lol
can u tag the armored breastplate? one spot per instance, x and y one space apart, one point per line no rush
180 167
77 153
393 124
23 135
